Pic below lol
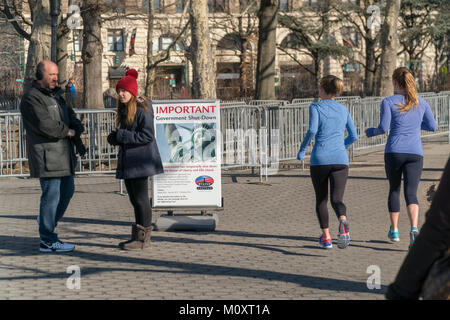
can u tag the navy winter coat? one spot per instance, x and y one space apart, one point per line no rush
138 152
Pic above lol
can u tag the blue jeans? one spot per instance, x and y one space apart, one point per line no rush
55 198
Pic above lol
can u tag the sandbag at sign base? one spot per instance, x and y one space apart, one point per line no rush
186 222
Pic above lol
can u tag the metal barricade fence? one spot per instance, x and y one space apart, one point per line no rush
439 105
293 125
100 156
9 104
240 127
347 100
233 104
255 135
12 149
365 114
268 102
304 100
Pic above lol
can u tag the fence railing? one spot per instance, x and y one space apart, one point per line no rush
258 134
8 104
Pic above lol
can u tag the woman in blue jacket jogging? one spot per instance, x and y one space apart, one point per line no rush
405 114
328 121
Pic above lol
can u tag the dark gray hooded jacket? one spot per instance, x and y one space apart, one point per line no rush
46 118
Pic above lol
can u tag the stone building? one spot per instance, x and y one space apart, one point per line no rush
234 38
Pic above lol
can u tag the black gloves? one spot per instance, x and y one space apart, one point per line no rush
76 125
79 146
79 129
112 138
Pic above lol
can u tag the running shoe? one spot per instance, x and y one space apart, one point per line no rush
393 235
413 235
326 244
344 234
56 246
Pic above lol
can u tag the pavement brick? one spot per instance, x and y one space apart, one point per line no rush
264 247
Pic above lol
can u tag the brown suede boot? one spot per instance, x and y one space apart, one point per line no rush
133 236
142 240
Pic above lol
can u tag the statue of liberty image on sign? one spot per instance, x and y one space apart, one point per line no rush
186 142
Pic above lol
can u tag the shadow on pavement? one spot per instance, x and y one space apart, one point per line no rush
73 220
170 267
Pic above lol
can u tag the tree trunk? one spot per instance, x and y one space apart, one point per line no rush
150 71
325 15
369 72
203 86
318 73
265 69
389 47
92 55
41 36
246 69
150 82
62 55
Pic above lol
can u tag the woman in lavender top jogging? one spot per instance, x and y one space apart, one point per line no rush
404 114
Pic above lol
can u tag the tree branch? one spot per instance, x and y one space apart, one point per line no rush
14 23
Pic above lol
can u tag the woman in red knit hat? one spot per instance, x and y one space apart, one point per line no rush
138 156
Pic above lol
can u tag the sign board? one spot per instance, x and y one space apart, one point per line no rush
188 137
172 81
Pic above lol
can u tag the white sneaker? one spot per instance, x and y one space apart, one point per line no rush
57 246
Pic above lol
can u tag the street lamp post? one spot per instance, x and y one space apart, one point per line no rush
54 13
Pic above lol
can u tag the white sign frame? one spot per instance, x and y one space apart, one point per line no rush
188 136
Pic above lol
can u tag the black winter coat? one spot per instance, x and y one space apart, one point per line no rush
47 118
138 152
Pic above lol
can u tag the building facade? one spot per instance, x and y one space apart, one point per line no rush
234 35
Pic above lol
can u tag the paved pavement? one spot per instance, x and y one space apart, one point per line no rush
264 247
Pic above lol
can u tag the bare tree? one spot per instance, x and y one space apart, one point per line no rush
200 52
389 48
310 35
440 34
358 17
40 40
92 50
241 36
40 35
417 20
265 70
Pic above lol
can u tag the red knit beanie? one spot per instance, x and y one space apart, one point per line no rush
129 82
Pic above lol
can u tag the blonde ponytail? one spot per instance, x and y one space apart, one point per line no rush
405 80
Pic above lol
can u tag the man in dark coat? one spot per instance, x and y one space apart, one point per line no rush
51 127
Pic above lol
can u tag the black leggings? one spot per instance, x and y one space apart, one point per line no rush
337 174
138 193
410 165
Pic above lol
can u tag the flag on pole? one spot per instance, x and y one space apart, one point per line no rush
133 38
